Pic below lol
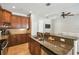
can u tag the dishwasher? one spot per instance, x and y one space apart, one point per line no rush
3 47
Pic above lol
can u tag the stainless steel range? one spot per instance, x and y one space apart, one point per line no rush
3 47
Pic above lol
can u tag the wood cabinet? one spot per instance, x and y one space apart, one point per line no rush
1 16
34 47
22 38
5 16
19 21
13 21
17 39
0 12
12 40
24 22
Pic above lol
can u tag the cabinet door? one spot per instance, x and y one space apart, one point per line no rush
37 48
29 43
31 46
25 22
22 22
21 38
24 38
6 16
1 16
18 25
12 40
34 47
19 22
14 21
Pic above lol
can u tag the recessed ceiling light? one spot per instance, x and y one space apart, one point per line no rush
13 7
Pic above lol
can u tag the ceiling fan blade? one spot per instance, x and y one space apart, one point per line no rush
71 15
68 13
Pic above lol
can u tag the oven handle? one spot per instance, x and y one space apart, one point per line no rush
5 45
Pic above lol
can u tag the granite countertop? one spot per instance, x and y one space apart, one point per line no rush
3 37
19 31
54 48
66 36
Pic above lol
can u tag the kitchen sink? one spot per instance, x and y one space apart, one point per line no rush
39 38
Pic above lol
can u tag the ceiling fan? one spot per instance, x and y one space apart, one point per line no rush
66 14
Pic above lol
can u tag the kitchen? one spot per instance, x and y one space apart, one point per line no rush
39 29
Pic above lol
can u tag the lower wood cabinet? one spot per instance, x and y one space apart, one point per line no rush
17 39
12 40
34 47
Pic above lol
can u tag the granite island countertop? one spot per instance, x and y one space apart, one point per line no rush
54 48
66 36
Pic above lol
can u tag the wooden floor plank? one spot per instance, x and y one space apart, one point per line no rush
21 49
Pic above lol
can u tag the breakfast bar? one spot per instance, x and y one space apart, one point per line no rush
59 47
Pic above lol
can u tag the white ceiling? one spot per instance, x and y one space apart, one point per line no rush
41 9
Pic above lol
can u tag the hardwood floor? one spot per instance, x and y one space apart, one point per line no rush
21 49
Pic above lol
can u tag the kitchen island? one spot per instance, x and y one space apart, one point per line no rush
61 46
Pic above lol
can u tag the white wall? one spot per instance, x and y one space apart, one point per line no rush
47 21
57 25
71 24
41 25
68 26
34 24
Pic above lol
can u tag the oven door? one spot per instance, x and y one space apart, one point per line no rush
4 47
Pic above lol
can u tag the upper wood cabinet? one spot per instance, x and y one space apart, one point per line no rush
5 15
13 21
1 15
19 21
24 22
